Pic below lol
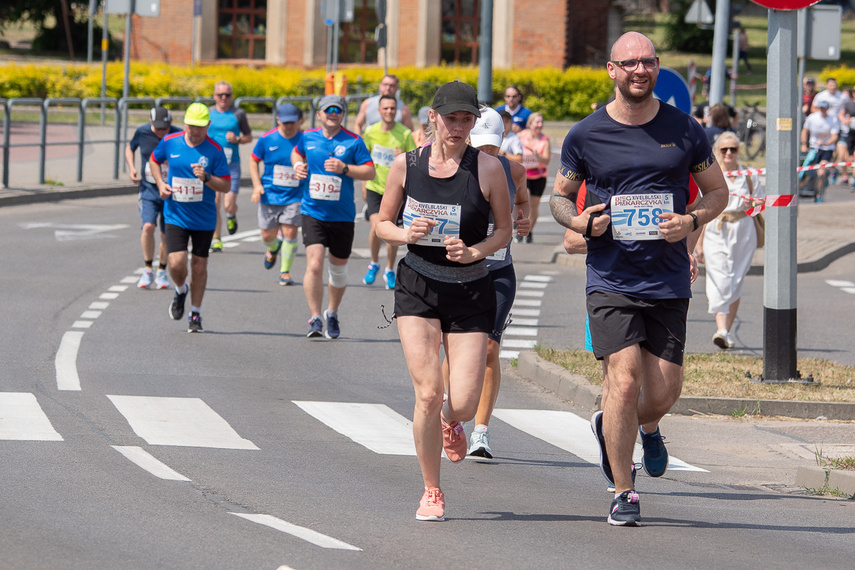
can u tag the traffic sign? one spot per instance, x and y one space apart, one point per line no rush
699 13
673 89
785 4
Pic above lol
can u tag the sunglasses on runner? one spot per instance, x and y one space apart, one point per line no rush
726 149
333 111
632 64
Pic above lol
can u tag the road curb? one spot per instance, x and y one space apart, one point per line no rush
578 390
54 195
819 478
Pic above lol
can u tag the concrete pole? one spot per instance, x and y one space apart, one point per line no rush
485 54
779 277
91 31
722 23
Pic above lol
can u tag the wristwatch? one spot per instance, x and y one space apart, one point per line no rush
207 177
345 169
694 221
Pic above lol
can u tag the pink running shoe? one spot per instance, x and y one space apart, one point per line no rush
454 440
432 506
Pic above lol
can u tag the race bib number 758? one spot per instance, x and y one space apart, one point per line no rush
637 216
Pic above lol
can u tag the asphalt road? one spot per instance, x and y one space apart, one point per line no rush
250 446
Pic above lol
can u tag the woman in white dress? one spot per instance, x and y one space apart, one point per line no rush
727 243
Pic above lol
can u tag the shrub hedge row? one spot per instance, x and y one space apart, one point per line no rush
559 95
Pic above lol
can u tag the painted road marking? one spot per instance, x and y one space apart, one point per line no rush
81 324
520 331
571 433
98 305
186 422
108 296
90 314
525 312
129 279
524 293
534 285
22 419
375 426
540 278
142 458
515 343
118 288
526 303
300 532
66 361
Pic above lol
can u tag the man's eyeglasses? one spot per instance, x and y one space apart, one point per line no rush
512 95
333 110
632 64
222 94
726 149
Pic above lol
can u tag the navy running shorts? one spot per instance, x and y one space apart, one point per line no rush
505 284
178 238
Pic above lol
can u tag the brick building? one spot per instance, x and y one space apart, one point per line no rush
526 33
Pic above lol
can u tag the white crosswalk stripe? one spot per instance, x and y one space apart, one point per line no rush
571 433
384 431
186 422
22 419
375 426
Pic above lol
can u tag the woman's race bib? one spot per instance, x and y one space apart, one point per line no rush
325 187
447 217
530 162
636 216
228 151
500 254
284 176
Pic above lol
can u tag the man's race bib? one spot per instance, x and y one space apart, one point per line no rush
164 170
284 176
228 151
502 253
447 217
382 155
187 189
325 187
636 216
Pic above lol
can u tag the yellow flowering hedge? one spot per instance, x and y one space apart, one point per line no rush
558 94
844 75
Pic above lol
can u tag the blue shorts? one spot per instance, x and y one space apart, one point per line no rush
150 211
234 170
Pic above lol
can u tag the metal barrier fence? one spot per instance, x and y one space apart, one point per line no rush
120 108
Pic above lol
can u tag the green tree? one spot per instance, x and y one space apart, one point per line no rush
40 12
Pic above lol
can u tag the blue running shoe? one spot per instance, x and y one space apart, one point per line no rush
597 428
333 330
389 278
625 510
176 308
371 274
655 459
316 328
270 255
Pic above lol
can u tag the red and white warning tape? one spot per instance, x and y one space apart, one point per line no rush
799 169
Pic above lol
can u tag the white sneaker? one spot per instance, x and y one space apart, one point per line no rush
479 443
161 281
720 339
145 279
728 340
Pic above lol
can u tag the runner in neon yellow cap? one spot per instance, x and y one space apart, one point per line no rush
197 115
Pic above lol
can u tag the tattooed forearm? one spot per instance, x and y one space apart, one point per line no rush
563 208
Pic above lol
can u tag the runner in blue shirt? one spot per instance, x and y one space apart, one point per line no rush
278 191
333 157
230 129
150 203
197 170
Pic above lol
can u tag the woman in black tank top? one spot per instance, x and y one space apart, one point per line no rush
444 294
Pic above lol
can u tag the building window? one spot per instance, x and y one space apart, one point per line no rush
357 43
242 29
460 29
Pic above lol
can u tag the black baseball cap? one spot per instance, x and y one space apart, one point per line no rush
456 96
161 118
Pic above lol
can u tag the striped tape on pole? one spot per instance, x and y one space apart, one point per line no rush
748 171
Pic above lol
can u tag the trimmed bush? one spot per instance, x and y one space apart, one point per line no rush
558 94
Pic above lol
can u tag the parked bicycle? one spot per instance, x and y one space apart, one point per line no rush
751 130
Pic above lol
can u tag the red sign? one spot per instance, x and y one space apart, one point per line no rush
786 4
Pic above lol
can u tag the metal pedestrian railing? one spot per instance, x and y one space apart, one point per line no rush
119 115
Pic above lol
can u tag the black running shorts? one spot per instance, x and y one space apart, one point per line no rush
178 238
337 236
459 307
618 321
536 186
